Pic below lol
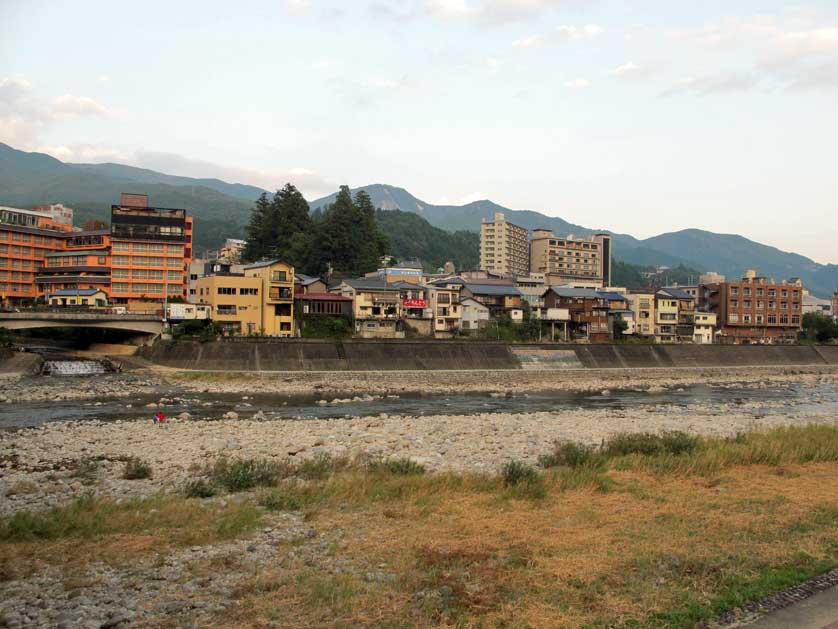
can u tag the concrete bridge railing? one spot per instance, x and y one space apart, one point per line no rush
141 323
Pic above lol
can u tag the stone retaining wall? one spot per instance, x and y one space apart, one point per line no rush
357 355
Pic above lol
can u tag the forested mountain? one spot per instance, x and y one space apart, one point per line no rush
221 210
412 237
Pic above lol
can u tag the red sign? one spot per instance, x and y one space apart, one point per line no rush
415 303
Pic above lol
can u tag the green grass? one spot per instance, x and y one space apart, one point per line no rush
87 470
244 474
181 520
396 467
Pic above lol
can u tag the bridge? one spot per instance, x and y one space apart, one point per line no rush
140 323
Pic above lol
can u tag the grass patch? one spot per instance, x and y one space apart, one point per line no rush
198 488
243 474
397 467
87 470
179 520
136 469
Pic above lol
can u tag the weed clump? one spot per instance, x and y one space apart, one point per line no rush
320 467
649 444
244 474
87 470
136 469
523 480
278 500
569 454
198 488
397 467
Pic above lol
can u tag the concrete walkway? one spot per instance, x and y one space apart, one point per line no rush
819 611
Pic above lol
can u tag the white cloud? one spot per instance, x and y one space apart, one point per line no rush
574 33
450 9
86 153
817 41
630 70
532 41
12 90
578 84
70 106
103 78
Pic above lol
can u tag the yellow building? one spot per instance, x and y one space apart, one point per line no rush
235 302
705 327
277 296
643 307
260 301
666 319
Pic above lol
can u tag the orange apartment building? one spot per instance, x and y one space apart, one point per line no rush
26 236
143 255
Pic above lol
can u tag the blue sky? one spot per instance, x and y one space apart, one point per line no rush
640 116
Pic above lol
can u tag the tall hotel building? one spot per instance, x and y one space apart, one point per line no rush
151 249
585 262
143 255
504 247
26 237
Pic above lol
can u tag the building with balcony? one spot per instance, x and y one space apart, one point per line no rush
384 309
150 250
580 262
674 316
643 307
277 291
444 302
504 247
755 310
26 236
587 312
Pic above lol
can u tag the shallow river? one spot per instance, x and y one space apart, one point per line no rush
742 399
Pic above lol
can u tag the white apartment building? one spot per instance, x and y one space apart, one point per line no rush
504 247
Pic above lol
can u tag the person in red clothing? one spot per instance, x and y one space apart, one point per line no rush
159 417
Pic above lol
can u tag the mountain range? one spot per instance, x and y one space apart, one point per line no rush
222 209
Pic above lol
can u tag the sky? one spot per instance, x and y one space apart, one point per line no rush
639 116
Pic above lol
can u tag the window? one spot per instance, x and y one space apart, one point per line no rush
280 293
249 291
772 319
279 276
101 260
120 260
733 317
226 290
225 310
746 318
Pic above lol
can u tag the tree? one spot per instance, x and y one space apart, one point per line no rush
290 215
373 243
820 328
258 231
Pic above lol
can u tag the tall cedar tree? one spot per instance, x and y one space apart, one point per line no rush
373 244
294 227
259 238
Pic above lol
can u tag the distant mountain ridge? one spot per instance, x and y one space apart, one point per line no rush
222 210
729 254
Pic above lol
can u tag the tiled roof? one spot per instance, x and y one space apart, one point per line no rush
322 297
262 264
75 292
365 283
676 293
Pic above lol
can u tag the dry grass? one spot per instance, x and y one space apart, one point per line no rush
100 529
649 544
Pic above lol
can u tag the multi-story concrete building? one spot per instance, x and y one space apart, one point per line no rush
531 288
150 250
231 251
504 247
258 301
26 237
705 328
235 302
643 307
756 309
200 267
277 279
570 260
445 309
674 316
384 309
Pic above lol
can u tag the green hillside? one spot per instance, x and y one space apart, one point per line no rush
411 236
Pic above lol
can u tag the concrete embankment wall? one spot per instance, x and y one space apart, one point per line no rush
312 355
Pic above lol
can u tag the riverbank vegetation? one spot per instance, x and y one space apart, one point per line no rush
664 530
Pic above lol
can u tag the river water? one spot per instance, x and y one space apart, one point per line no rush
208 406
